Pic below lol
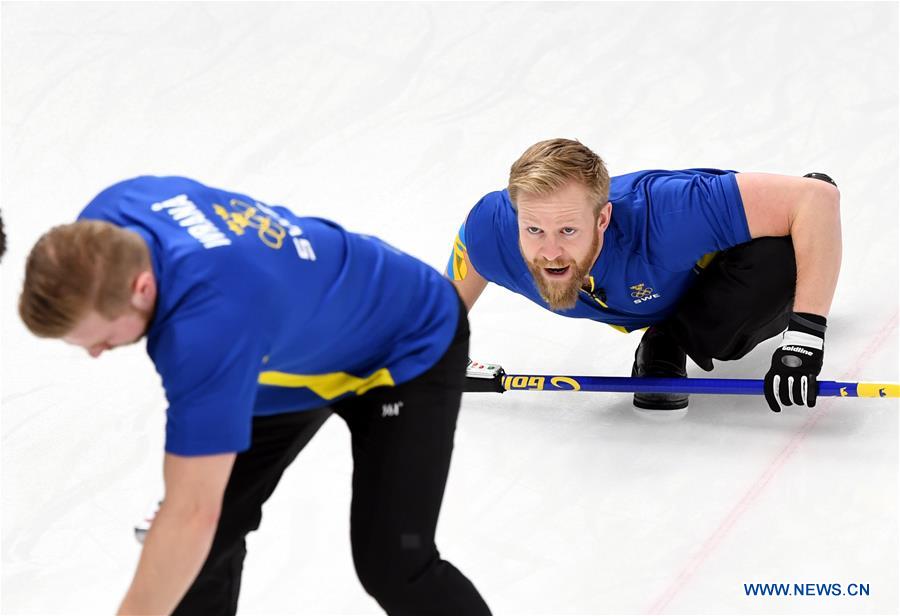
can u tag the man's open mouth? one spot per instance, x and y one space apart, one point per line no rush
557 272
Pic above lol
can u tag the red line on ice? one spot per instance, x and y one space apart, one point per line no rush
777 463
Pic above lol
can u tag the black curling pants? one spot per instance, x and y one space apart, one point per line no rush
402 438
744 296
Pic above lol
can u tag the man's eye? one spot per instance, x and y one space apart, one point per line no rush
533 230
568 231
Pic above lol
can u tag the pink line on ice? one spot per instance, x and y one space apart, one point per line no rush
777 463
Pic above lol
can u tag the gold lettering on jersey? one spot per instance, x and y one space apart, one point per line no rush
642 293
244 216
271 227
230 219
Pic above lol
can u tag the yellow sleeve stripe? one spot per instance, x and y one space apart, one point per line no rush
460 269
329 386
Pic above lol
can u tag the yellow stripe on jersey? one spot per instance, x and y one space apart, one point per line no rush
703 261
597 299
460 269
591 292
328 386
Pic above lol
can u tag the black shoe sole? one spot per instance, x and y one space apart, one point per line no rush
652 402
658 402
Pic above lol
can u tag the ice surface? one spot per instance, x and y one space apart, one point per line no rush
393 119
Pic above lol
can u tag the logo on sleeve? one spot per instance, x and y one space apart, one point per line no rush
642 293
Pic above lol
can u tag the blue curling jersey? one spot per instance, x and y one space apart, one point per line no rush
261 312
665 226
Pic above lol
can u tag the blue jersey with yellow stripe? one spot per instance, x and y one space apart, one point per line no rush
261 312
665 225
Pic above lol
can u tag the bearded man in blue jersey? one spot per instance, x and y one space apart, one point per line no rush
710 262
261 324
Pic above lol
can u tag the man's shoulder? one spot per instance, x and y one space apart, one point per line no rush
198 318
493 207
661 192
491 238
671 218
138 190
625 184
491 222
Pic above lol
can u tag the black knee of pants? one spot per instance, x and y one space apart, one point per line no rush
404 586
402 441
412 579
744 296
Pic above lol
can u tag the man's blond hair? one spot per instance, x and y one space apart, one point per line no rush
76 268
549 165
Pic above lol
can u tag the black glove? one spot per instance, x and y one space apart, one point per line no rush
797 362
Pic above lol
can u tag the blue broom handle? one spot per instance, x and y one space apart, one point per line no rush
740 387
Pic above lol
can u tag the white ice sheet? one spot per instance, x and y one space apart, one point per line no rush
393 119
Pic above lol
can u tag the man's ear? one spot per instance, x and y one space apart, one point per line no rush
605 216
143 291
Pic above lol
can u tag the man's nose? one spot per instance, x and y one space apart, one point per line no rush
550 249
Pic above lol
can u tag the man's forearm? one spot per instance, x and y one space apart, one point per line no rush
174 551
470 289
816 234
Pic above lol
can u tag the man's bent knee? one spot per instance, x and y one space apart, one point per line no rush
391 583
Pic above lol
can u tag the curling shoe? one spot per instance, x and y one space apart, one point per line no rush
659 356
